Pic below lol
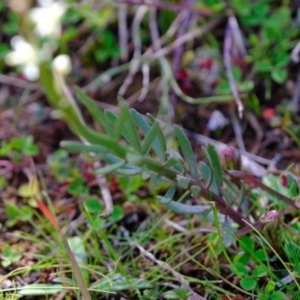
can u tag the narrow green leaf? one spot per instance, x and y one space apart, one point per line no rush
109 168
130 129
124 126
216 166
161 139
117 121
187 151
143 125
209 179
175 160
207 174
80 147
128 172
149 138
94 110
40 289
181 208
171 192
128 169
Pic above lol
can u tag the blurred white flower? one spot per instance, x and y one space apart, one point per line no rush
62 64
24 55
47 17
27 57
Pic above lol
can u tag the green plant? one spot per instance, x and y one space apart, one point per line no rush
16 214
9 256
18 146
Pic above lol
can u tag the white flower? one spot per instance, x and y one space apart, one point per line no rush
47 18
62 64
25 55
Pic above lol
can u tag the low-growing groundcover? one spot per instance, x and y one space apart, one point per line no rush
103 196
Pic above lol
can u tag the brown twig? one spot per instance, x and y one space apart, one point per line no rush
168 268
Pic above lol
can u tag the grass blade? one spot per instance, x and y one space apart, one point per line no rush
109 168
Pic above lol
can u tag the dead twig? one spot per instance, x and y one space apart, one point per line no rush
237 130
168 268
228 45
135 62
105 193
10 80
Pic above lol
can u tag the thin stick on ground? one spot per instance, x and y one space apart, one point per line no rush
105 193
228 41
167 268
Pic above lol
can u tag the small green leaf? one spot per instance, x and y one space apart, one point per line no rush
183 182
109 168
180 208
216 166
207 173
247 244
240 270
40 289
242 258
94 111
124 126
278 295
163 200
248 283
195 189
129 131
171 192
161 138
263 297
187 151
118 213
149 138
271 285
259 271
261 254
127 169
80 147
158 143
175 160
93 205
279 75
